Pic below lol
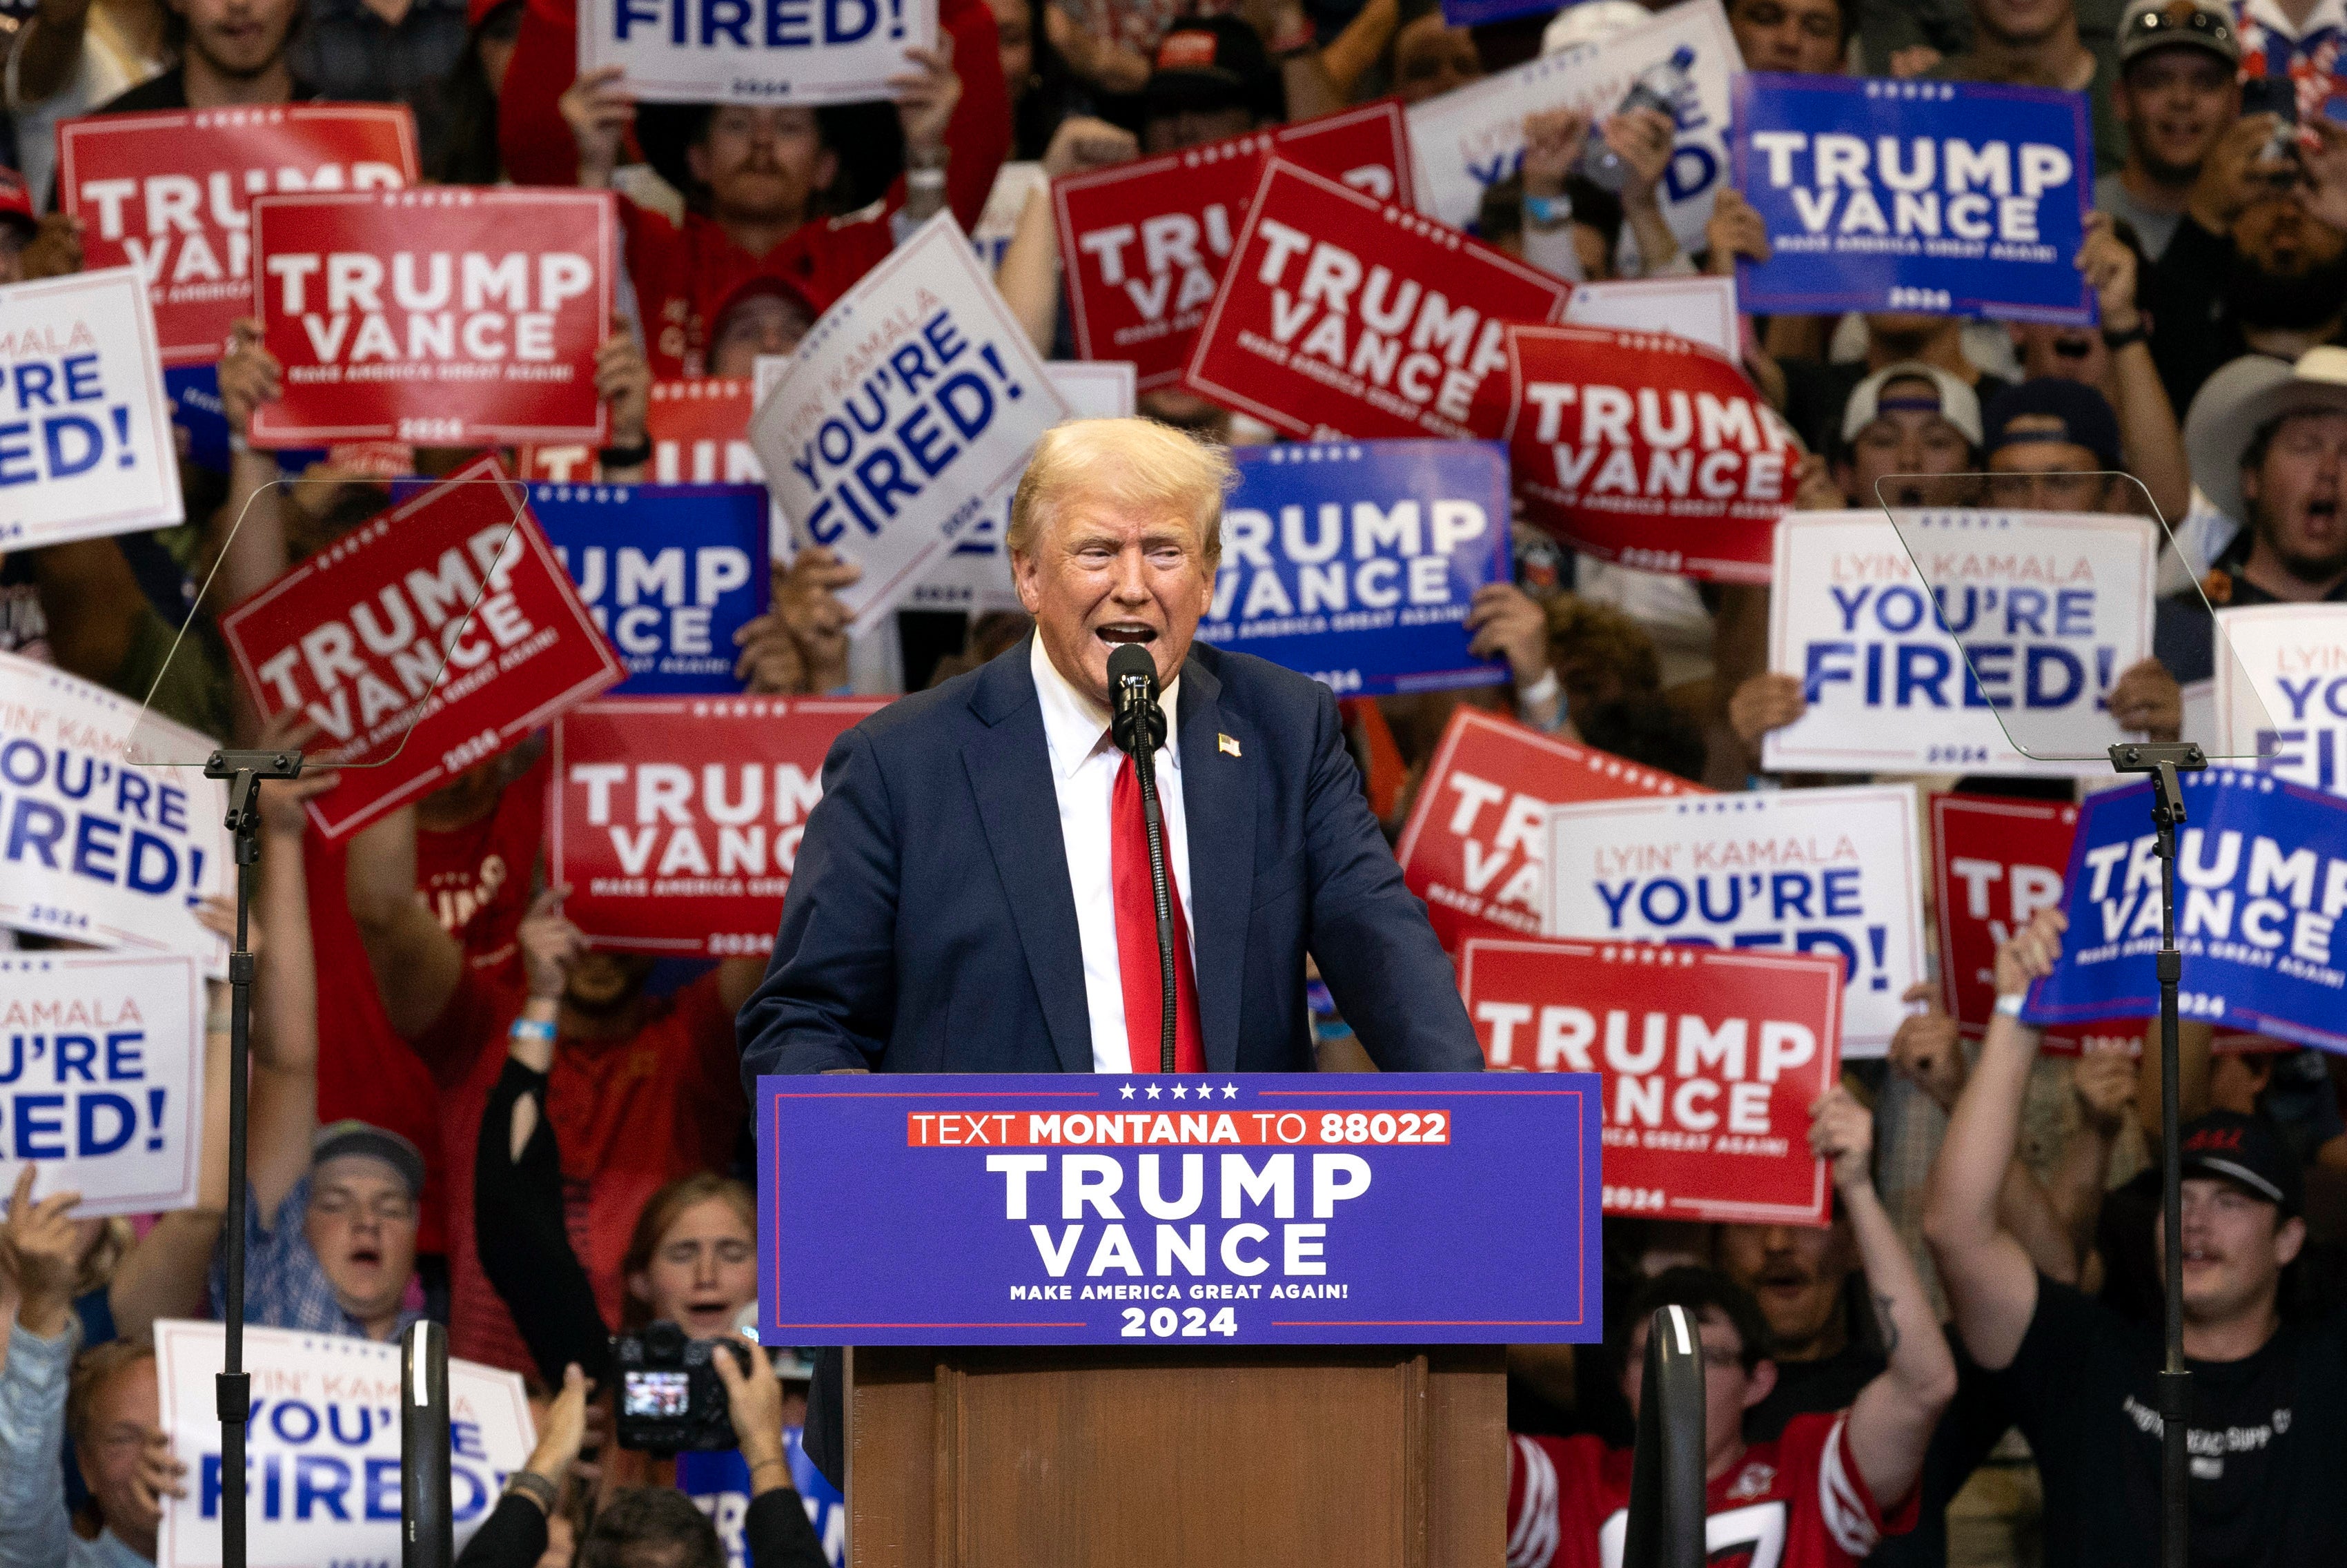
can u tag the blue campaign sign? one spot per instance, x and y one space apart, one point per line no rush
1354 561
1252 1209
670 572
1963 199
2261 882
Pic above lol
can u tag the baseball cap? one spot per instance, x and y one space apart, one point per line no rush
2244 1150
1210 63
2151 24
354 1137
1952 400
2054 409
16 202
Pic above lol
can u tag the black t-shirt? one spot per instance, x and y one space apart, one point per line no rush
1807 1387
2268 1440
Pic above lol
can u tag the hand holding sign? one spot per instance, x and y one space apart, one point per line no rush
47 1245
1928 1048
1841 1132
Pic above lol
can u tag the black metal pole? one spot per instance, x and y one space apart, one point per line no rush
2162 760
233 1390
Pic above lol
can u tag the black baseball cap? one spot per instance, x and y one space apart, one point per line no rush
1210 63
2053 409
2244 1150
354 1137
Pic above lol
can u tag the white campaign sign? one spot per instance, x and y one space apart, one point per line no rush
1701 309
100 1081
2037 615
2283 695
323 1482
93 847
975 575
765 51
1811 870
1473 137
908 409
85 444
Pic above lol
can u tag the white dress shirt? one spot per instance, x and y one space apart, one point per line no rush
1084 764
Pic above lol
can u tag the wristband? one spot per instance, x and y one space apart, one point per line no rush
924 179
2117 341
536 1029
1548 212
535 1487
2009 1004
628 457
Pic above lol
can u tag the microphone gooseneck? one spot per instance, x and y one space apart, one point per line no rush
1138 724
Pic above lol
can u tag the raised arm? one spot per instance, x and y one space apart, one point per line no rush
283 1114
1891 1421
417 966
47 1245
1988 1277
2147 430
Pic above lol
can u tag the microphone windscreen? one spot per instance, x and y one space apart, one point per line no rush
1130 661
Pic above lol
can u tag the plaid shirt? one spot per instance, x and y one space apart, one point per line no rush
285 1286
34 1530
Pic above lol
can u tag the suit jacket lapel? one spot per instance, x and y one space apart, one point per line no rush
1218 807
1009 768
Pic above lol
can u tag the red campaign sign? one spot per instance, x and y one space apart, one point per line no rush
675 821
170 194
1711 1059
1995 862
699 428
448 317
451 604
1342 315
1474 845
1646 449
1143 244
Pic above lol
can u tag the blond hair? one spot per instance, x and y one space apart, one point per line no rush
1130 463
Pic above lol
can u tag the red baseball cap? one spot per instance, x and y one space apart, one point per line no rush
15 201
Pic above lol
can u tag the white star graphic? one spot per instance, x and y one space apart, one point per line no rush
1230 1091
1128 1092
1152 1092
1179 1092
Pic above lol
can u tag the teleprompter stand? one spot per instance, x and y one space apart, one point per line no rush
2162 760
243 772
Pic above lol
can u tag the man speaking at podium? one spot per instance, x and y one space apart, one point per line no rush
973 893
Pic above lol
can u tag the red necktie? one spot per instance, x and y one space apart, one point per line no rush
1136 938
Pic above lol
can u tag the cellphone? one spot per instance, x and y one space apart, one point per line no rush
2270 94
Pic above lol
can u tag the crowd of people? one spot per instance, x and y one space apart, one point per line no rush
462 1110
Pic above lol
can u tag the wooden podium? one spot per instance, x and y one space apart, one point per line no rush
1364 1456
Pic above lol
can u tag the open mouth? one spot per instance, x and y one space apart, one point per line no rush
708 1317
366 1256
1117 632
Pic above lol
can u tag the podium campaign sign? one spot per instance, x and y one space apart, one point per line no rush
2036 613
2282 696
86 443
780 52
2262 885
906 416
675 822
324 1445
1996 861
1476 845
170 194
1711 1061
1248 1209
1958 198
422 641
99 849
449 317
1288 342
104 1091
1470 138
1143 244
1807 871
1354 562
1646 449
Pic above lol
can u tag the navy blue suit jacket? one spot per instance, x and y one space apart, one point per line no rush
931 926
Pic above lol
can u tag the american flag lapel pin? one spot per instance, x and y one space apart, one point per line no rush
1229 746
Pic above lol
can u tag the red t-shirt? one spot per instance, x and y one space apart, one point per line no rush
630 1116
1796 1501
476 880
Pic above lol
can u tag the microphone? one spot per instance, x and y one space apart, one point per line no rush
1133 700
1139 726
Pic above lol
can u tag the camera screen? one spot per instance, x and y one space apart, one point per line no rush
656 1395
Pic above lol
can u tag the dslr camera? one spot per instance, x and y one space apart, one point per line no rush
671 1400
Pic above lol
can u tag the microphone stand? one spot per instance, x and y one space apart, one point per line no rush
243 772
2162 760
1139 730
